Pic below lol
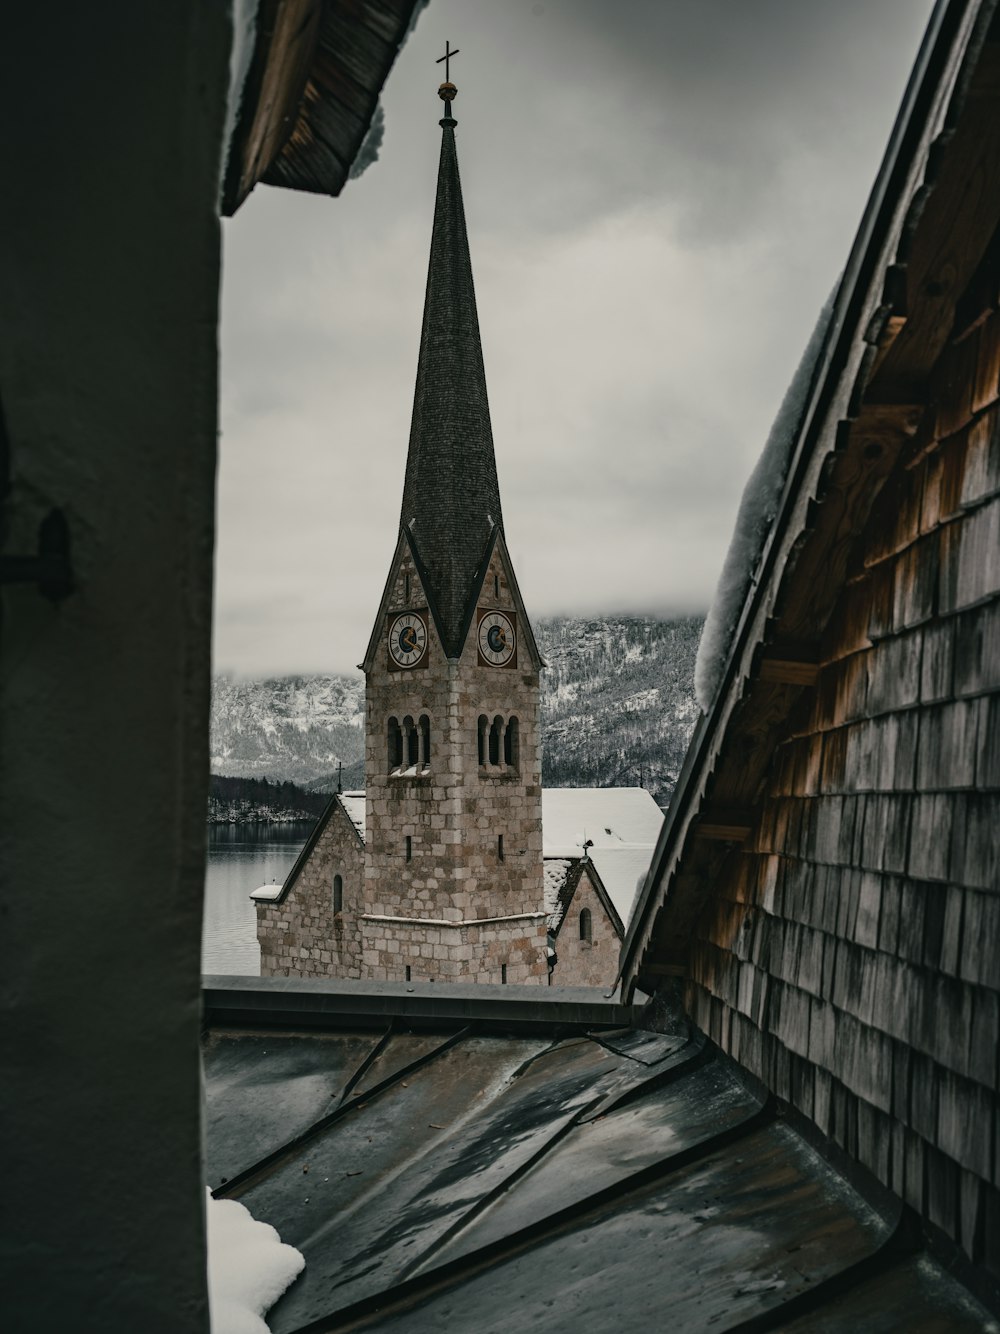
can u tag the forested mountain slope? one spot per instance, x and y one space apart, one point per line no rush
618 704
617 708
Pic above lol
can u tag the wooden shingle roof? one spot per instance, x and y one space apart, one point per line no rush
311 92
929 222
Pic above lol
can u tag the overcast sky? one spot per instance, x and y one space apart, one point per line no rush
660 195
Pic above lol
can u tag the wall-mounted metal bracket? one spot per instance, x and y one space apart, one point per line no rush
50 569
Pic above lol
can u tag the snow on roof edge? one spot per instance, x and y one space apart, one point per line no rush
758 508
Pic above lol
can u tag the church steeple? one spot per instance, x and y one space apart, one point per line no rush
451 498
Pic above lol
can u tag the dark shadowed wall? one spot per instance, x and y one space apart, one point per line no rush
109 271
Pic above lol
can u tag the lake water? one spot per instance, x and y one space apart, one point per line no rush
241 858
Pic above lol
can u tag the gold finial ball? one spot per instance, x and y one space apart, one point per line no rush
447 92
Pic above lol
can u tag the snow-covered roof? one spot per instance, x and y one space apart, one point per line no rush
267 893
354 808
354 804
622 825
606 816
556 871
622 871
758 508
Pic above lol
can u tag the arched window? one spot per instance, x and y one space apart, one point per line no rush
495 733
395 744
425 739
510 740
586 926
484 727
412 742
338 893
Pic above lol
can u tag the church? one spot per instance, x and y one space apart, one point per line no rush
799 1133
445 868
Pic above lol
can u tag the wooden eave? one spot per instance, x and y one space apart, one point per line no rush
311 90
932 214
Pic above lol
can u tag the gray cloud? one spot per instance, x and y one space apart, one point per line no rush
659 197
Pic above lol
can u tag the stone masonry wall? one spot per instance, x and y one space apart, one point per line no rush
582 963
453 810
489 952
301 936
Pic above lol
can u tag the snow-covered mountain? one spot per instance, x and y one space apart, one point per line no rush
617 708
295 727
618 703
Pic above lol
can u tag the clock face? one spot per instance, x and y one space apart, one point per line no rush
407 639
496 638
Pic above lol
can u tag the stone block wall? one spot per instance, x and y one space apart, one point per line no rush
512 952
583 963
434 830
851 959
301 935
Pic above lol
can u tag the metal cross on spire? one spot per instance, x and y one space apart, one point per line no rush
448 53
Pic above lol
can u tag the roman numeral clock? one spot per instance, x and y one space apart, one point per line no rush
497 640
407 640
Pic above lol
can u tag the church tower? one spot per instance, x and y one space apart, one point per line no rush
453 886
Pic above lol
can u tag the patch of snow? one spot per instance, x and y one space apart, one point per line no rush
370 144
249 1267
622 871
244 40
757 512
564 693
621 824
556 871
572 815
267 893
642 699
354 804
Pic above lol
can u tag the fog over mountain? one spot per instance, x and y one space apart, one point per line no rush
618 709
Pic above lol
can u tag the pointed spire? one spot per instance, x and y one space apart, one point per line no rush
451 498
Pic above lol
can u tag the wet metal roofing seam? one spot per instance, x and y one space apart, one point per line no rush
412 1286
256 1170
575 1181
601 1105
